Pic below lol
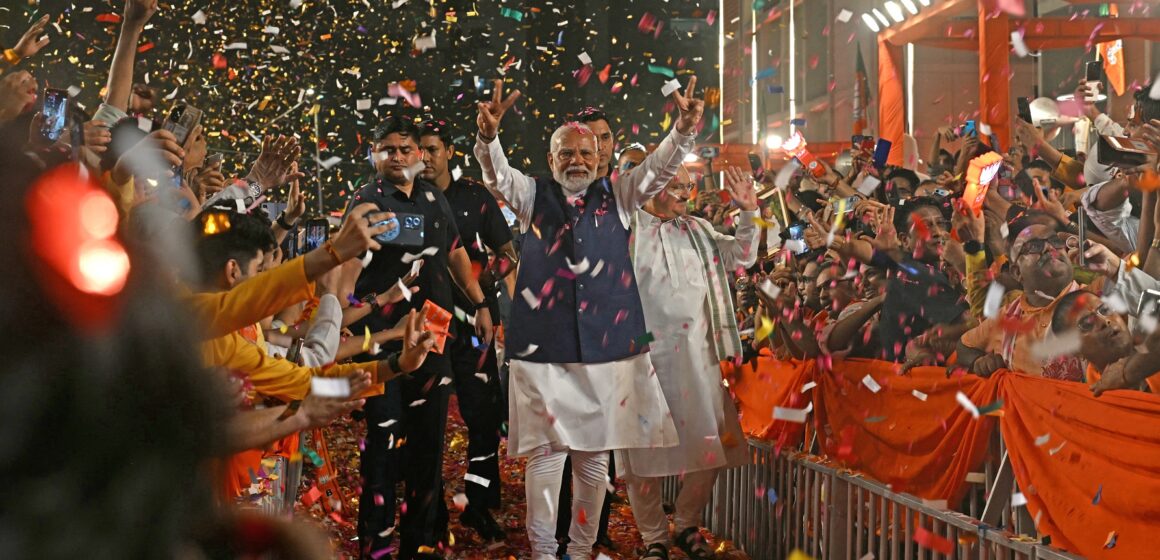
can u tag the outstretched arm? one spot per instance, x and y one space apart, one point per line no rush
510 185
120 84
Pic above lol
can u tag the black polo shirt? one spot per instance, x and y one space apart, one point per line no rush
480 220
387 266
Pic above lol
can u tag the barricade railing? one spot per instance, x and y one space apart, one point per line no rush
790 501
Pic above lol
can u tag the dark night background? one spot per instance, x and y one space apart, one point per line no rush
350 50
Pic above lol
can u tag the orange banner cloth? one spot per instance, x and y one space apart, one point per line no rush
1065 445
891 103
995 76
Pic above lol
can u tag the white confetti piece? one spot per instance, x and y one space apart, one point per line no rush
362 105
1148 323
469 477
845 15
456 173
781 180
669 87
145 124
403 288
1043 439
397 3
238 46
529 351
424 43
530 298
770 289
337 387
871 384
797 415
1056 345
430 196
409 258
1056 450
584 58
966 403
199 17
415 267
73 91
1018 499
599 266
1115 303
366 260
388 101
484 458
994 301
868 185
795 246
918 395
388 532
460 501
330 162
444 381
278 49
411 172
418 403
388 423
1154 93
271 30
482 377
173 94
809 386
579 268
1018 44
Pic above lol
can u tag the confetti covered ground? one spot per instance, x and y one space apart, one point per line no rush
343 437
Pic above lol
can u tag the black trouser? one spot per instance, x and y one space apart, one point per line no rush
564 518
418 462
483 408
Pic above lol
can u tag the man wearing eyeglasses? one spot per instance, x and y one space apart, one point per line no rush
684 266
1013 338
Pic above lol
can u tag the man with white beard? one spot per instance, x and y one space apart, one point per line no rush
581 380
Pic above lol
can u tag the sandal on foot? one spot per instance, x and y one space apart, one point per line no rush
656 551
694 545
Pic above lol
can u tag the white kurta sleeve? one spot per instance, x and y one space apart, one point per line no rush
637 185
321 343
507 184
740 249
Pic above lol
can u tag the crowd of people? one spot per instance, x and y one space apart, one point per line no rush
172 330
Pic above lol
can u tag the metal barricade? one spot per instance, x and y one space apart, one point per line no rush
793 501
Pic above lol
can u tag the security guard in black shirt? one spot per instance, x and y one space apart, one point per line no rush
405 426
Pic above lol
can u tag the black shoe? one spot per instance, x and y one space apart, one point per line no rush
603 540
693 544
656 551
482 523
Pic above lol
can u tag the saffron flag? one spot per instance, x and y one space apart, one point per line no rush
861 94
1112 53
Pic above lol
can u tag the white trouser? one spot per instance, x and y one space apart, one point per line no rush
542 480
644 495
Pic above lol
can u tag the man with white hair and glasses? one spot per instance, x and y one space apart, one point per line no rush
581 380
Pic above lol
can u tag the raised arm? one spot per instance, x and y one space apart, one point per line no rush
510 185
740 249
120 84
637 185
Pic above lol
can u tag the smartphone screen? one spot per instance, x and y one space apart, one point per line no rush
797 231
1082 215
756 166
317 231
881 153
1092 71
55 111
181 121
1025 109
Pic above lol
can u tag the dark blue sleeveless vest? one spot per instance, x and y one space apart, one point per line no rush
591 317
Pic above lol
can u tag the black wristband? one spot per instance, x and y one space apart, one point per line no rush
291 410
973 246
282 223
393 363
484 139
481 305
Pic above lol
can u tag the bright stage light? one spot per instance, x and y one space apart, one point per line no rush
895 11
881 18
869 21
925 3
774 141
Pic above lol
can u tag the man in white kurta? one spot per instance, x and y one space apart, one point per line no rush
579 408
683 267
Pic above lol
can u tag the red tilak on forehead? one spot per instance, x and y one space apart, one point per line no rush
578 128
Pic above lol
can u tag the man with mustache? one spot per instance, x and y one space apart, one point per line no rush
581 380
1011 339
684 267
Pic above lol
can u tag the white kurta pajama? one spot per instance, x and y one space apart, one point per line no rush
582 410
674 286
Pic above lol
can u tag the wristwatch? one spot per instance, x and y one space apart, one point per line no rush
282 223
253 189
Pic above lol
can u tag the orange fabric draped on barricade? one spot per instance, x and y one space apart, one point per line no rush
925 444
1109 446
921 447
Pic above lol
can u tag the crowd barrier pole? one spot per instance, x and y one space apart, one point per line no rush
793 501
